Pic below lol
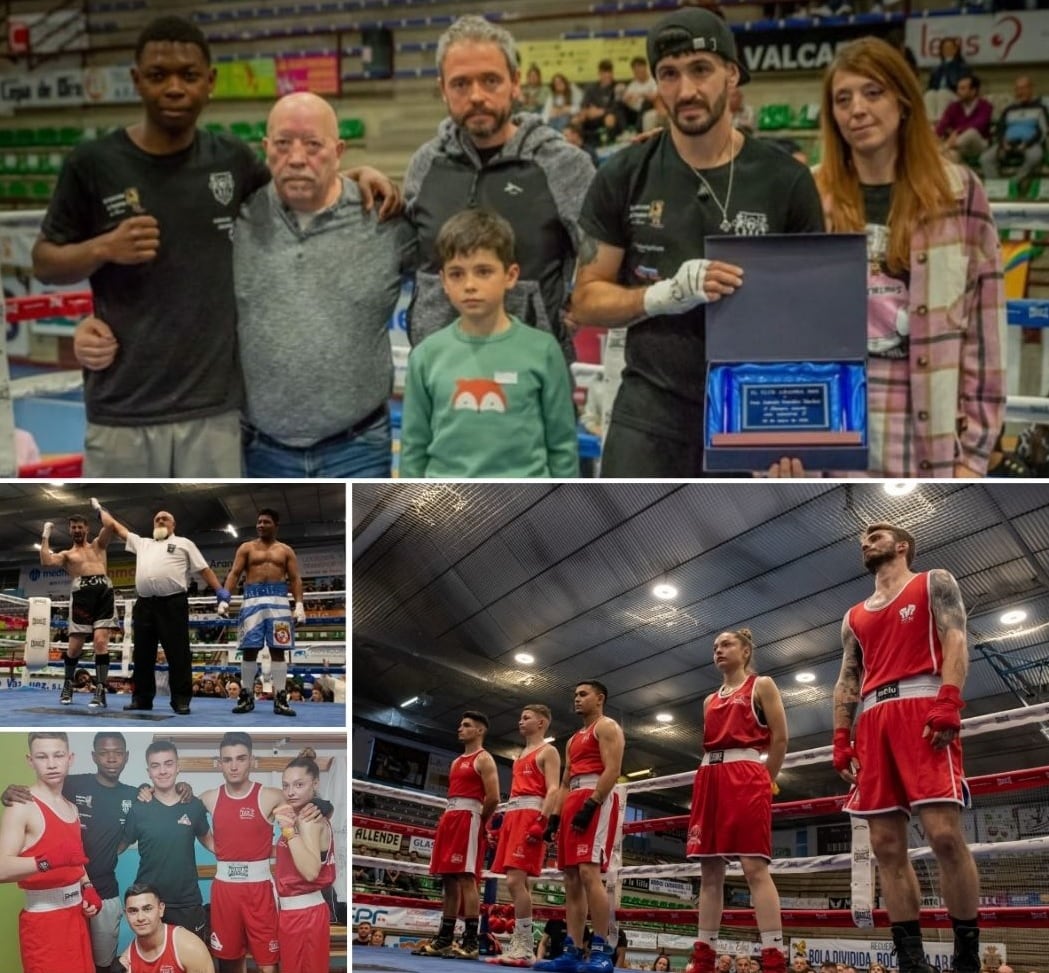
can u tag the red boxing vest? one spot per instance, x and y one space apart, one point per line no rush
56 834
463 779
242 833
291 882
584 751
732 721
898 640
528 779
166 962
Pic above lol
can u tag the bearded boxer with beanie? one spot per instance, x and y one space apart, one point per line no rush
897 719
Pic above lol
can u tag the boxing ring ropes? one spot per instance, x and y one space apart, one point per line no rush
860 864
35 651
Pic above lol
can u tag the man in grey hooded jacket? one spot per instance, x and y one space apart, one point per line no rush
484 156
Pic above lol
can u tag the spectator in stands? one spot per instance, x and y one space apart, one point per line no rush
145 213
801 965
639 96
533 92
232 689
944 78
378 937
936 307
289 256
600 115
563 103
514 165
364 934
295 693
742 113
316 695
965 125
662 964
1021 135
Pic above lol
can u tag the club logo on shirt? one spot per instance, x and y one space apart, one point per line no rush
171 548
247 814
478 395
184 820
655 212
216 943
512 189
221 186
282 633
457 859
750 224
132 200
125 806
907 613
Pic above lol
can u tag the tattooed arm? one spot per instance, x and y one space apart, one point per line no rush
948 612
597 298
847 688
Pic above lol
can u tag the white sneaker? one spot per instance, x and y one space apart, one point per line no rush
519 952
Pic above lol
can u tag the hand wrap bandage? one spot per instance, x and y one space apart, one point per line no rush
843 754
946 711
679 293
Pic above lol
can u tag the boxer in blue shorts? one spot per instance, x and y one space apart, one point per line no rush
270 570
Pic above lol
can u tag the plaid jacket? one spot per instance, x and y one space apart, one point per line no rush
952 407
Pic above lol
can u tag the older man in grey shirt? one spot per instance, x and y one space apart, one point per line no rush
316 281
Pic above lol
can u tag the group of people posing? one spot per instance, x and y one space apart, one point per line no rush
164 564
207 265
897 705
60 838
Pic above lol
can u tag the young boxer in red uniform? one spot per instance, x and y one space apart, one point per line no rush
305 867
458 849
522 848
243 906
900 689
732 798
159 947
41 849
590 816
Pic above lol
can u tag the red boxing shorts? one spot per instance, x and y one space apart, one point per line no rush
458 848
56 941
899 769
514 850
305 940
731 813
244 919
594 845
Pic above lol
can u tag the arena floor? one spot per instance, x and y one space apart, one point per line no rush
40 707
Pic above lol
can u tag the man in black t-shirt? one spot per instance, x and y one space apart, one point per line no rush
647 214
103 802
167 829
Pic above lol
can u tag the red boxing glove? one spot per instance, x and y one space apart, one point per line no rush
844 754
62 857
91 897
945 713
492 838
536 830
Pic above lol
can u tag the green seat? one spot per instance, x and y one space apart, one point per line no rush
70 135
25 137
351 128
7 138
809 116
40 189
217 127
47 136
243 130
18 189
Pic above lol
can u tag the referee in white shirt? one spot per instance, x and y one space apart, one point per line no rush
161 615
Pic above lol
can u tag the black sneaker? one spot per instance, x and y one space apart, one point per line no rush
98 701
966 950
280 704
66 696
910 951
245 702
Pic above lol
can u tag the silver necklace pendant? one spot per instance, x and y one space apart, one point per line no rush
725 226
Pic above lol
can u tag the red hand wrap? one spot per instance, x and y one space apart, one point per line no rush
843 754
945 713
536 830
91 897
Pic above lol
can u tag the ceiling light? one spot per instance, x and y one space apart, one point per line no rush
900 488
664 591
231 530
408 702
664 717
525 658
36 547
805 677
640 773
1013 617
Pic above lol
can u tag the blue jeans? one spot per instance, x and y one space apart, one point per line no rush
351 455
